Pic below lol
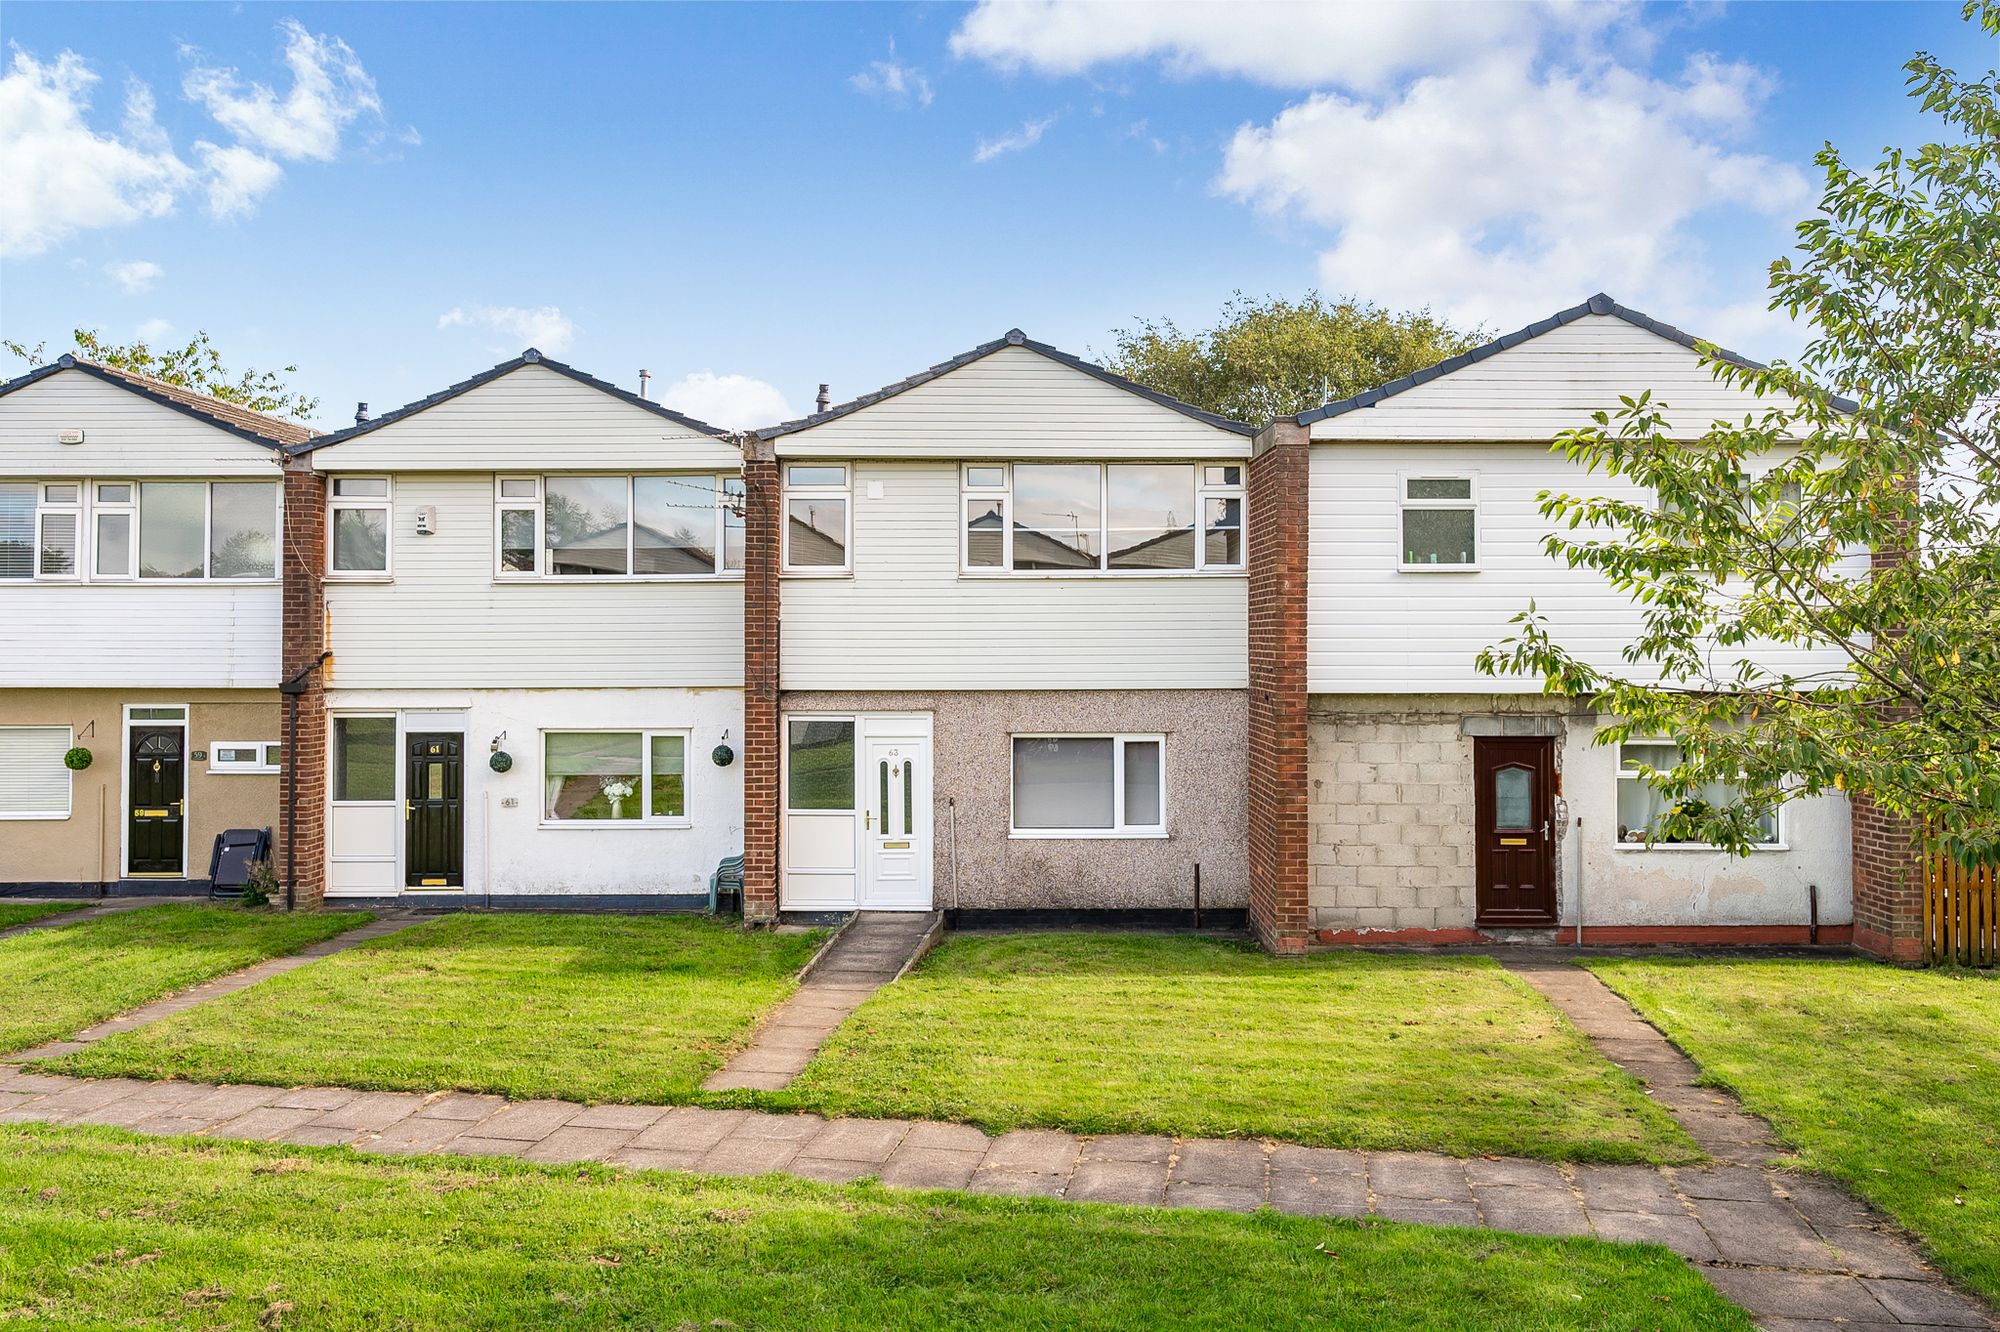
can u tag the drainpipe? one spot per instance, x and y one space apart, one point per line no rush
291 689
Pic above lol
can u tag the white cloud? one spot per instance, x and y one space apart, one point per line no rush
136 275
235 178
1013 141
735 402
62 176
155 330
1360 44
329 91
893 80
544 327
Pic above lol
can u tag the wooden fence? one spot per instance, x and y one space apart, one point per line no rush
1961 914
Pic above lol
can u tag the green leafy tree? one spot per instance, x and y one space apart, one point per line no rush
1865 532
1277 357
197 366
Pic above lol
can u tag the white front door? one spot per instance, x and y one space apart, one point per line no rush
896 823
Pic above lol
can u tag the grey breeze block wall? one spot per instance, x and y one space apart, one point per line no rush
1391 808
1207 802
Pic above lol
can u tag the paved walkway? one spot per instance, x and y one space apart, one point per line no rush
385 922
871 950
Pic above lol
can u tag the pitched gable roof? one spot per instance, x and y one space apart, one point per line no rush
1600 304
257 427
1014 337
529 357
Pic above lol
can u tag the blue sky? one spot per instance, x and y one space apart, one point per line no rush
748 200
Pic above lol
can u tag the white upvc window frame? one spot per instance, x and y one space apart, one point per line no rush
385 503
100 509
843 492
88 507
270 758
646 819
725 488
49 507
1404 504
1119 829
1204 490
69 779
1778 840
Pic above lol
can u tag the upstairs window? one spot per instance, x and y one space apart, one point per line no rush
817 518
358 524
1440 523
1089 518
111 531
596 527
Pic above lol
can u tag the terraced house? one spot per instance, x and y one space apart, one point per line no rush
139 616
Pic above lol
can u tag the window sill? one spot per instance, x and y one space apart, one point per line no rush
1630 848
32 818
140 582
1084 835
244 772
1084 575
352 577
624 825
817 573
1437 568
618 580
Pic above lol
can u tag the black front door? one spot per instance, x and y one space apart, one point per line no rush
1515 852
434 810
157 795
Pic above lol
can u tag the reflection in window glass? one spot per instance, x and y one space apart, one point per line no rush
586 519
1142 783
58 547
592 775
1437 536
733 501
171 515
17 529
517 540
1440 487
1642 809
816 533
985 478
1058 513
819 768
1063 782
114 545
985 532
1513 798
1152 514
243 530
360 540
803 474
668 798
1223 527
673 528
364 758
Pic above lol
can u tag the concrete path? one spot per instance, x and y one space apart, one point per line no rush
870 951
386 922
88 909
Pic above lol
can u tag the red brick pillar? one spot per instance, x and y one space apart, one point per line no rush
300 854
761 737
1280 832
1888 884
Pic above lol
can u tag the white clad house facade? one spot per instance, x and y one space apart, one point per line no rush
532 589
1446 803
140 595
1008 646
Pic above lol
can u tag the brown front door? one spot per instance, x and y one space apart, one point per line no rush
1515 784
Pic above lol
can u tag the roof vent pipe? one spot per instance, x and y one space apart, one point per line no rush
360 412
824 400
645 379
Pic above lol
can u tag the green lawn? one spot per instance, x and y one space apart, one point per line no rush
1886 1079
106 1230
1107 1033
20 913
56 981
597 1008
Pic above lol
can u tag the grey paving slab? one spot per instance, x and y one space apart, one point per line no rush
1306 1194
946 1137
640 1158
1927 1303
1483 1171
1422 1212
1736 1183
1214 1197
1766 1234
463 1106
1009 1183
1868 1252
468 1144
372 1110
579 1144
320 1135
829 1170
416 1134
315 1098
794 1129
1628 1189
928 1168
748 1156
1414 1175
1128 1147
529 1120
867 1140
229 1102
1531 1211
1768 1293
689 1128
263 1124
1038 1151
126 1112
1225 1162
1139 1183
738 1080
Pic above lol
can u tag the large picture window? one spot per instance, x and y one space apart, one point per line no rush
1642 808
1089 518
593 527
105 531
1089 786
632 777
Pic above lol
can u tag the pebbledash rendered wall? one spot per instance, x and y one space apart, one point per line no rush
1206 773
1390 786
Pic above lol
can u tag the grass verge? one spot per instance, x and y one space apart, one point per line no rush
1889 1080
1129 1033
20 913
595 1008
107 1229
57 981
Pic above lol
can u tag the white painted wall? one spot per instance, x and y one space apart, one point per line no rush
1549 384
1015 403
1372 628
446 622
125 436
530 420
907 619
1666 886
139 635
507 850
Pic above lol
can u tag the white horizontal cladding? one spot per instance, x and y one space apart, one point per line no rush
1374 628
445 622
141 635
124 435
1015 403
533 419
1553 383
907 618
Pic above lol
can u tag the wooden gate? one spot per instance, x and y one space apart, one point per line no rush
1961 914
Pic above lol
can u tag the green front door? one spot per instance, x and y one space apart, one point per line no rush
434 810
157 794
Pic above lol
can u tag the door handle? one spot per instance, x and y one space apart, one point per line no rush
409 806
868 821
1545 830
